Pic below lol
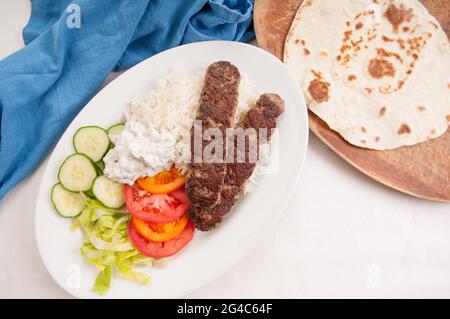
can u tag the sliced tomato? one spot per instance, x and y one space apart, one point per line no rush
159 250
164 182
160 232
153 207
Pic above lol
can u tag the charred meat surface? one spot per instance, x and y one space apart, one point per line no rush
263 115
218 103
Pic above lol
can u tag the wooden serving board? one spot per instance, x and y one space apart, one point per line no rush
422 170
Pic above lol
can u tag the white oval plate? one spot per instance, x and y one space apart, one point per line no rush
209 254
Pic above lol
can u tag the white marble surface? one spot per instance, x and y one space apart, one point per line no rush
342 236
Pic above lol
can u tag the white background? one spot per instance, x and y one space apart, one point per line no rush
344 235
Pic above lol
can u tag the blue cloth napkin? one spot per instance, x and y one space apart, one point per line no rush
71 48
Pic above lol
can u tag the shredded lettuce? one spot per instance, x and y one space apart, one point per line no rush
103 281
135 276
107 246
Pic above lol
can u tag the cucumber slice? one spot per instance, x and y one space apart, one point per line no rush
67 204
77 173
93 141
108 192
116 129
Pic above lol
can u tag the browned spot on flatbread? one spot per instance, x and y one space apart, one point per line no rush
377 139
363 141
368 90
421 108
404 129
379 68
386 89
397 15
317 74
433 131
386 54
359 26
351 77
347 35
306 51
382 111
363 129
344 48
323 54
448 118
357 44
433 24
401 43
319 90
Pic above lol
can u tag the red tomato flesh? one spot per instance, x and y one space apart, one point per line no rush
154 207
160 250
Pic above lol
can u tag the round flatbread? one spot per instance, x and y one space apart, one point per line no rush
376 71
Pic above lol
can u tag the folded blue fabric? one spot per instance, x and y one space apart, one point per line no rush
71 48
